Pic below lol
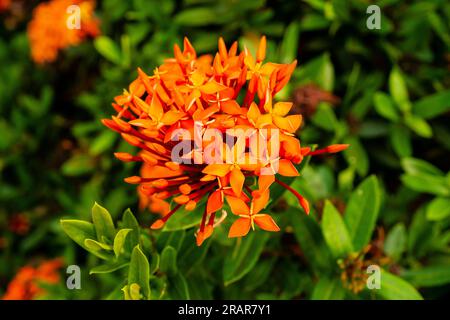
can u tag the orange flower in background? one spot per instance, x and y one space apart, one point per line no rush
49 31
206 127
4 5
25 285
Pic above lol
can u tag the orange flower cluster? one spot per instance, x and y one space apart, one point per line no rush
48 31
25 285
227 91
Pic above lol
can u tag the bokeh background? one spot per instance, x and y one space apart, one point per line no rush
384 91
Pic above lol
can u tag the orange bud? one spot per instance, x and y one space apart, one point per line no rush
158 224
185 188
173 165
149 159
133 180
191 205
181 199
123 156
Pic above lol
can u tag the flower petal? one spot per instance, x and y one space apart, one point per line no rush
237 179
265 222
239 228
287 169
215 202
238 206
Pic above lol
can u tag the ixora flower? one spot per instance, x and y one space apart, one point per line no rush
207 128
25 285
49 31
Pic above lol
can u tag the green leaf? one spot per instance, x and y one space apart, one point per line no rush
108 49
395 288
400 138
196 17
438 209
356 156
335 232
78 230
418 166
129 222
312 243
109 267
419 126
97 246
244 256
430 276
432 105
177 287
419 234
319 70
119 241
362 211
103 142
385 106
168 260
395 243
77 165
427 183
398 90
139 271
104 226
328 289
289 45
325 118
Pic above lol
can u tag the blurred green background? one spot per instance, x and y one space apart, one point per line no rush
384 91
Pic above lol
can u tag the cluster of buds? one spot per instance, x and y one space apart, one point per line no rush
206 126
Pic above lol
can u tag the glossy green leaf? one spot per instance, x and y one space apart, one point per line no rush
429 276
96 245
196 17
129 222
395 288
438 209
78 230
104 226
362 211
335 232
289 45
312 243
416 166
433 105
385 106
398 90
177 287
419 126
356 155
427 183
139 271
168 260
119 241
328 289
108 49
108 267
396 240
400 138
